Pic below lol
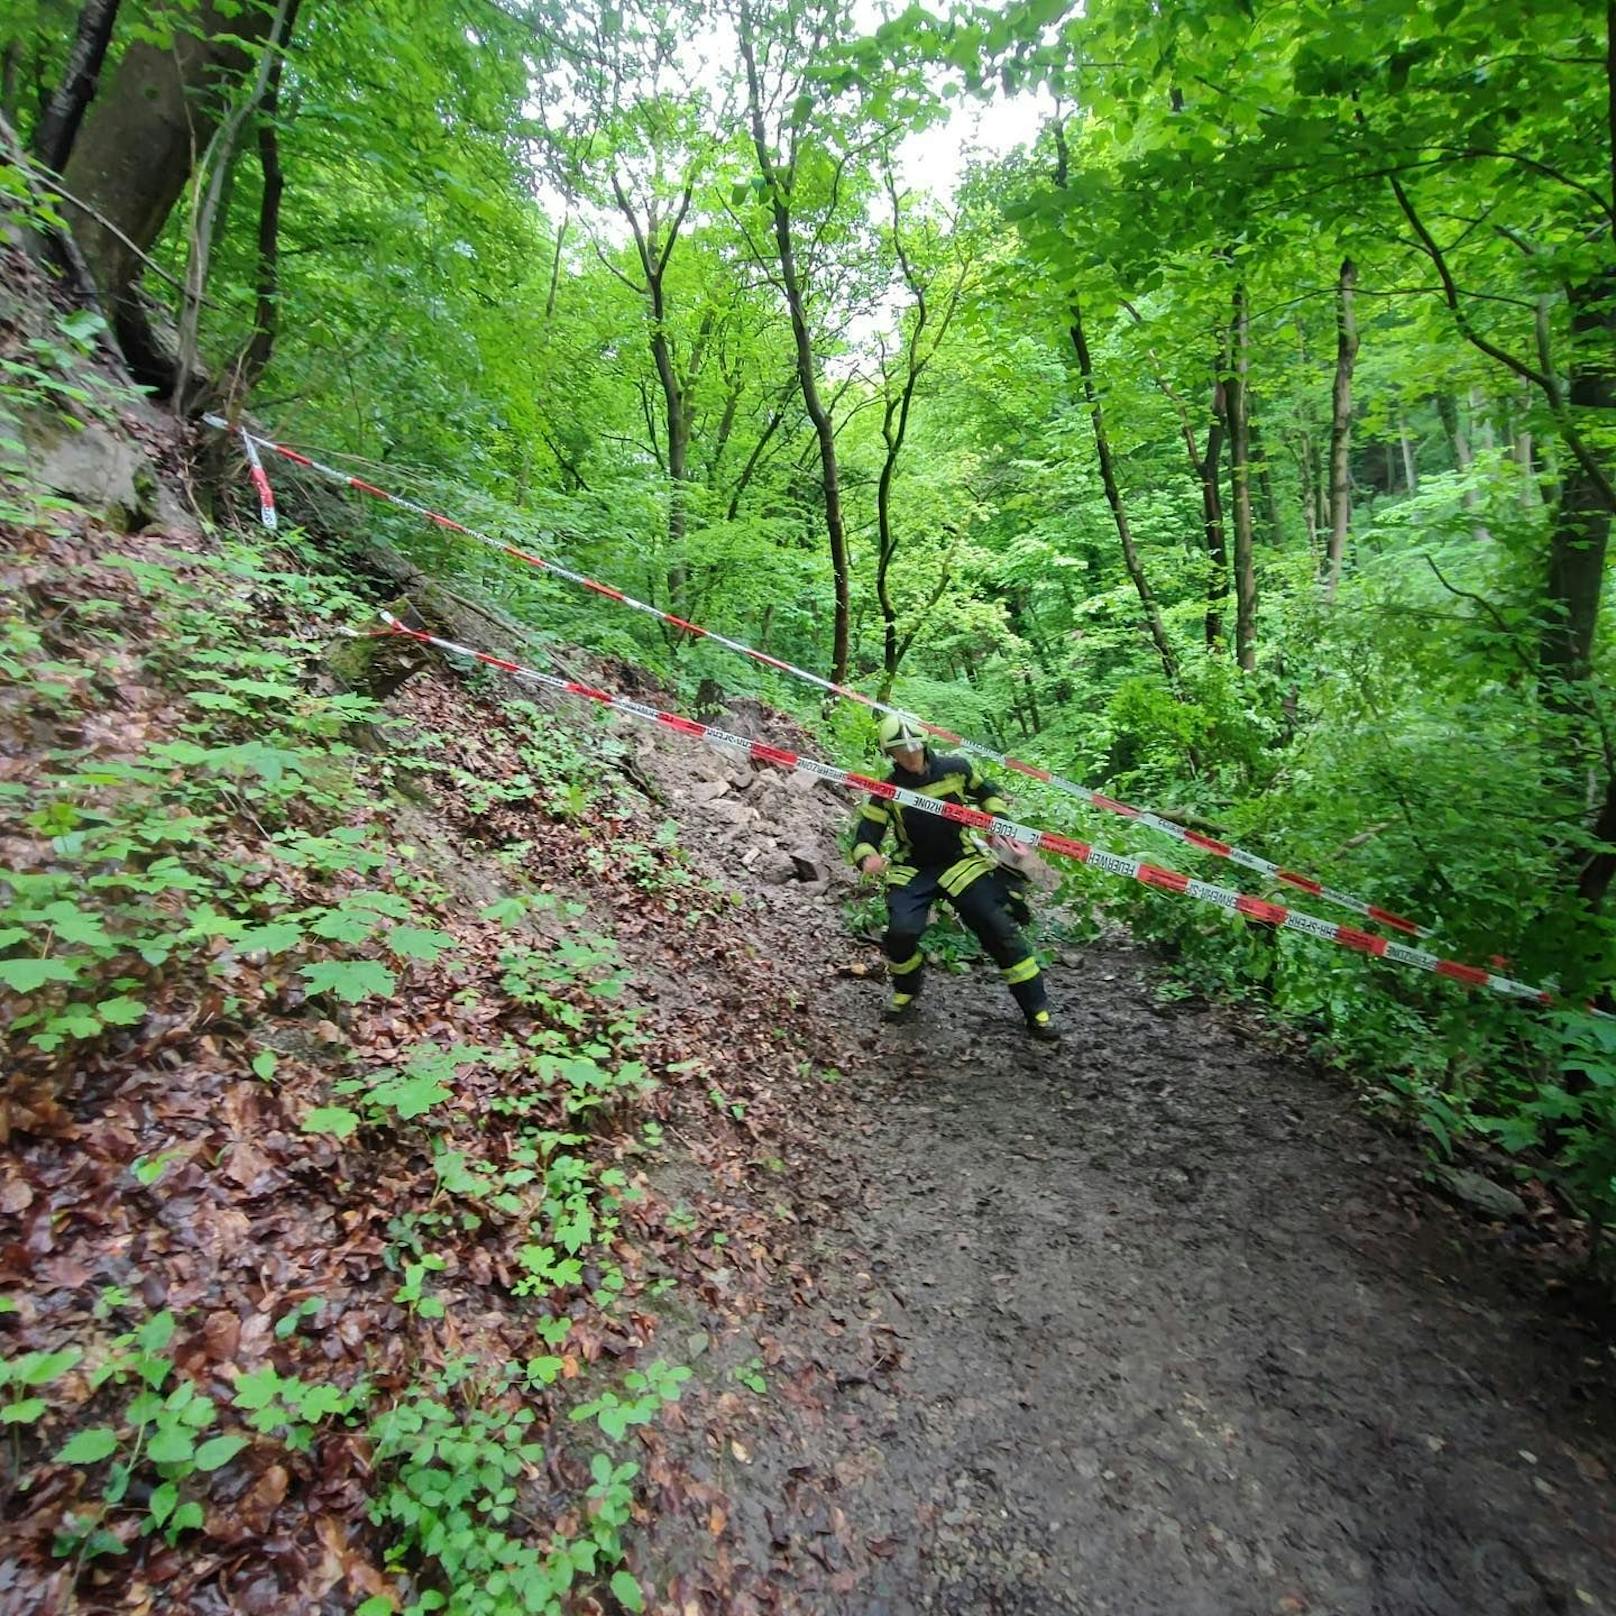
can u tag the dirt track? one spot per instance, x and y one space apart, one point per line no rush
1153 1322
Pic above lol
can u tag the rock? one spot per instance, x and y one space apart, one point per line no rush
733 813
775 870
99 470
705 791
807 866
1480 1193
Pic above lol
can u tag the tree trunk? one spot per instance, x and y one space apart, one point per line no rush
1411 475
555 266
1447 410
1265 480
1346 356
209 207
1217 548
1204 469
1245 567
1113 494
726 425
1580 530
135 152
1593 880
654 254
60 125
886 551
776 416
8 81
1305 461
266 320
807 379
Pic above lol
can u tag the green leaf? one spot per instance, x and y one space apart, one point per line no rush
332 1119
376 1605
214 1454
156 1332
148 1172
75 925
171 1445
24 975
163 1500
22 1413
121 1012
187 1517
275 938
412 942
626 1590
544 1370
410 1097
256 1390
40 1368
505 910
88 1447
340 926
264 1063
350 980
384 903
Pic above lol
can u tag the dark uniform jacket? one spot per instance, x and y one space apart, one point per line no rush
928 841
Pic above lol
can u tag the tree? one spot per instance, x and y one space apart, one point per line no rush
780 164
929 284
1346 354
53 140
140 141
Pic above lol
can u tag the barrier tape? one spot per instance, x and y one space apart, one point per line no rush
1098 858
260 477
1094 799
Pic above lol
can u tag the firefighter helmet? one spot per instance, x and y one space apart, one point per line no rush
896 734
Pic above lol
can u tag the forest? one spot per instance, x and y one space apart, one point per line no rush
1211 404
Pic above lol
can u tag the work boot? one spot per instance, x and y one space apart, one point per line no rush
900 1007
1042 1028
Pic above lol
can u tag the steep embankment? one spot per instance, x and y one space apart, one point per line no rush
337 1219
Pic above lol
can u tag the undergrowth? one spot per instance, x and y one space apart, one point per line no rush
206 884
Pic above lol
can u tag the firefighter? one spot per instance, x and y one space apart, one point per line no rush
939 858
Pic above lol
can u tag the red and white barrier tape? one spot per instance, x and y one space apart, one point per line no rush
1094 799
1098 858
260 477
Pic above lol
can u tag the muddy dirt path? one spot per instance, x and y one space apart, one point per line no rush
1152 1322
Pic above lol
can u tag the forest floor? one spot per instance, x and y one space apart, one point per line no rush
1154 1321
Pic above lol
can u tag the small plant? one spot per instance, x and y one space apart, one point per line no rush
291 1408
750 1375
650 1388
1574 1116
162 1426
452 1496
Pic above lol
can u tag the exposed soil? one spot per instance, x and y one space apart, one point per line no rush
1156 1321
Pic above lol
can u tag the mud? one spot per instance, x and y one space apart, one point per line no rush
1155 1321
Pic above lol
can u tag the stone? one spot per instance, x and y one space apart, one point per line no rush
732 813
94 467
1478 1192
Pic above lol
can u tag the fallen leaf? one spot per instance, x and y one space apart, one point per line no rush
265 1497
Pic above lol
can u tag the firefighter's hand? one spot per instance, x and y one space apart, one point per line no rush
875 864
